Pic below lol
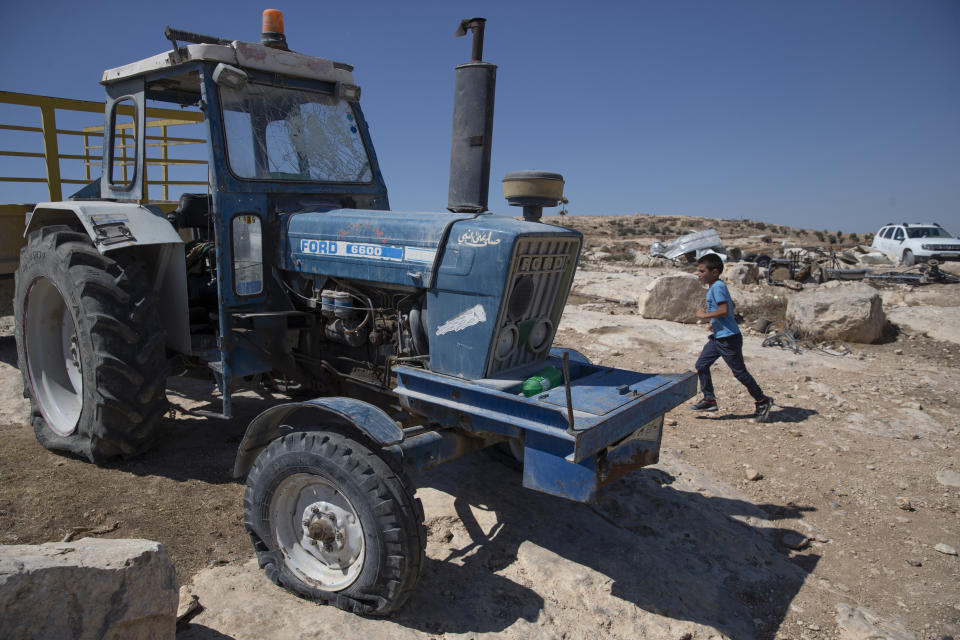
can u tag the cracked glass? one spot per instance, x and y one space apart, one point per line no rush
276 133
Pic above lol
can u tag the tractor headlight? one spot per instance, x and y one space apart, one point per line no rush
348 92
520 297
506 342
231 77
539 336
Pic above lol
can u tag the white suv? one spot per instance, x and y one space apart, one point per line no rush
908 243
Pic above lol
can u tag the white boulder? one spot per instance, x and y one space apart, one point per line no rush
673 297
644 260
111 589
849 311
741 273
874 257
758 302
940 323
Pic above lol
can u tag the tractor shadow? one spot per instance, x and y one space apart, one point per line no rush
8 350
192 631
189 446
650 545
192 446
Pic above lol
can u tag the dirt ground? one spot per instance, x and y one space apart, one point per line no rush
824 523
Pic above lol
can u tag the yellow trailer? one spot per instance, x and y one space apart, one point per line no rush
73 156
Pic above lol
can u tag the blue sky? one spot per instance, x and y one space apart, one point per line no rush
838 115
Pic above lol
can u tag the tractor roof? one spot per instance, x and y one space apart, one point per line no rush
246 55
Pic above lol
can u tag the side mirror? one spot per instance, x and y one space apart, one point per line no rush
231 77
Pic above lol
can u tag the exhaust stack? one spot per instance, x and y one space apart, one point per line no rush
472 127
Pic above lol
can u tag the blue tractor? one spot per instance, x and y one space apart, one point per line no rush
402 340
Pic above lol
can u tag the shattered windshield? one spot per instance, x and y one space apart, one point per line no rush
276 133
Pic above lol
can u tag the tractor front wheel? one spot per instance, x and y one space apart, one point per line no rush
90 347
334 522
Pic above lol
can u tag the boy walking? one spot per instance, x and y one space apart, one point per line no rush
725 341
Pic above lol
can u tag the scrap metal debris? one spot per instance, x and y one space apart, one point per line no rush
809 266
692 246
930 273
792 339
812 266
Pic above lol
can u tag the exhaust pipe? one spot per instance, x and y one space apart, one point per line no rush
472 127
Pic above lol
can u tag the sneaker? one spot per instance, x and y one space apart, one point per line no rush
763 409
704 405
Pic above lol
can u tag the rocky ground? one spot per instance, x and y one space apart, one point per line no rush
839 519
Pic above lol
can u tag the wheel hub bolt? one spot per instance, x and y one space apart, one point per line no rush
322 530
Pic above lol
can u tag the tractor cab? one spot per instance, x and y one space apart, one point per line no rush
277 122
284 134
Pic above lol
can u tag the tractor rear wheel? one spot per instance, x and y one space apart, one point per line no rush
90 347
333 521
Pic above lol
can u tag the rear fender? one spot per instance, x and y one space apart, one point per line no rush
116 227
344 415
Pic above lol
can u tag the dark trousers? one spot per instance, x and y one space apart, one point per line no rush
731 350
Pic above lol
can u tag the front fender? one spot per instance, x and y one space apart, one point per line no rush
142 231
314 415
110 225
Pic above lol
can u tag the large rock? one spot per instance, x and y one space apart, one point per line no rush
597 255
849 311
741 273
644 260
931 295
110 589
940 323
874 257
760 302
611 286
674 297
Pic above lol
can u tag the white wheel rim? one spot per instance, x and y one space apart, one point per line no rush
53 357
318 532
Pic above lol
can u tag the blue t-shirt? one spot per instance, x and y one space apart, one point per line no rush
723 326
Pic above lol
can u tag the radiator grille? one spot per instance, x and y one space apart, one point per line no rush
541 272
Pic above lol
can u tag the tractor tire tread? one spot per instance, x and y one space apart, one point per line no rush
122 416
395 511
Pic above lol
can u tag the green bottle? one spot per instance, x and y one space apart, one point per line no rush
542 381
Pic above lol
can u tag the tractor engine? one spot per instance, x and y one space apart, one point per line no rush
467 295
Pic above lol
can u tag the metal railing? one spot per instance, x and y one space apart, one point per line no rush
48 148
92 156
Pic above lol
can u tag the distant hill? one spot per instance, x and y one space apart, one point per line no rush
639 230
